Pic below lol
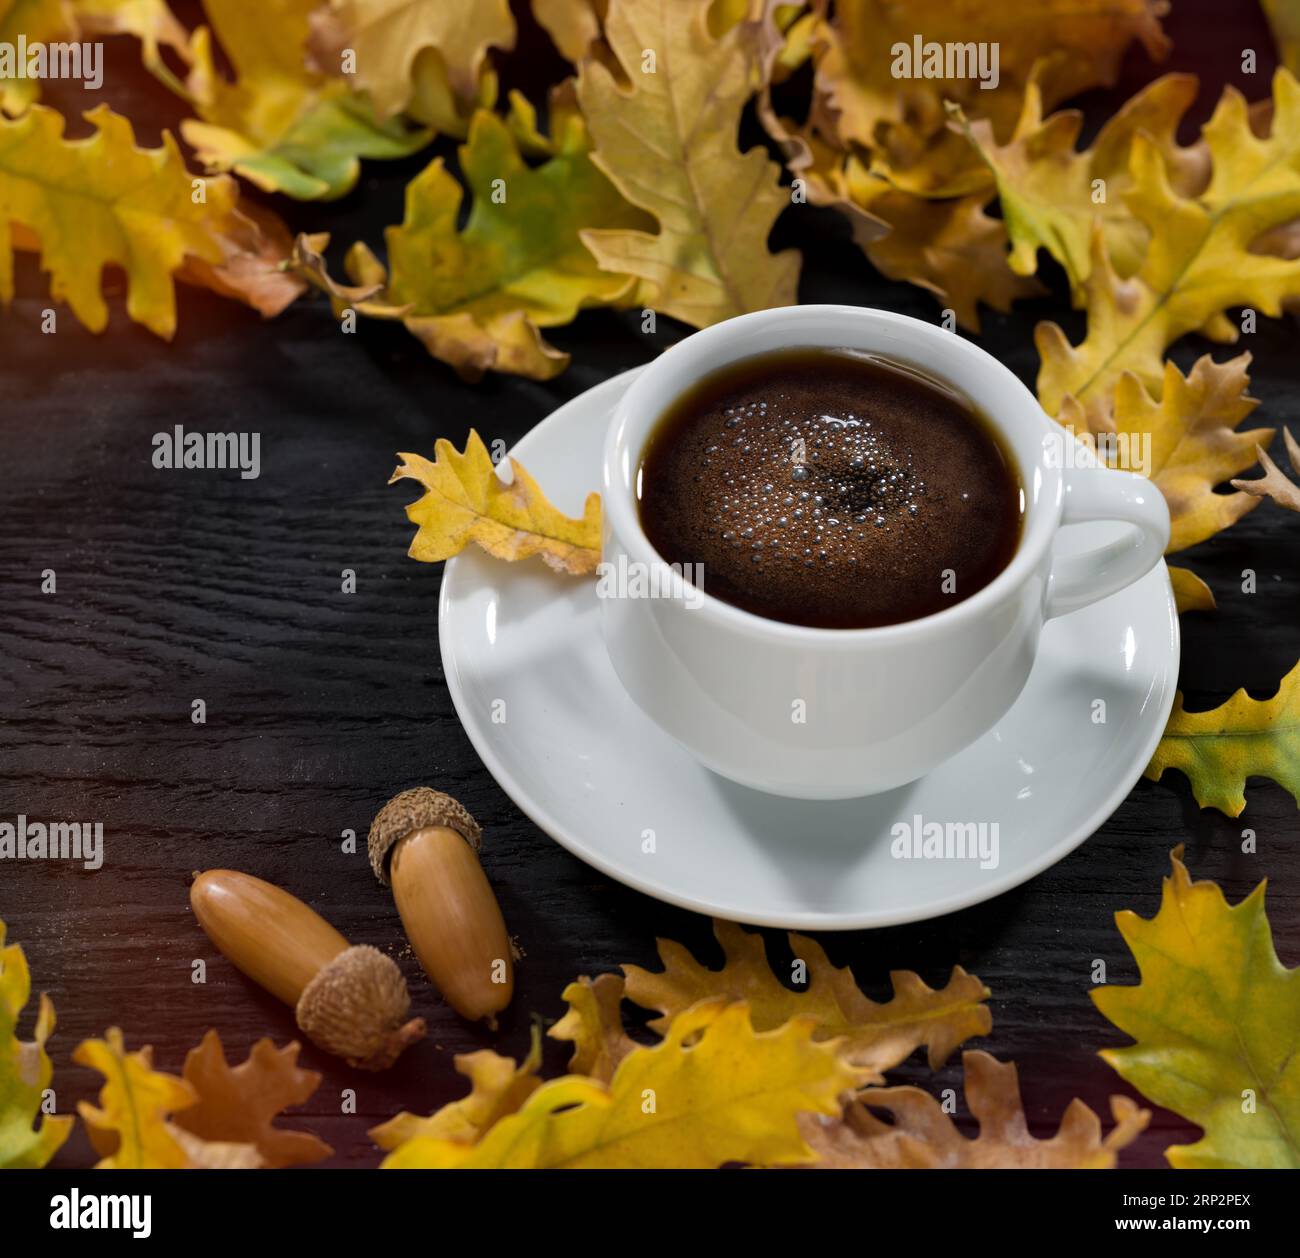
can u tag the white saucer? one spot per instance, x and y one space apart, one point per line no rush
582 761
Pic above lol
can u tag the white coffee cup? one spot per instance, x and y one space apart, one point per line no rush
837 713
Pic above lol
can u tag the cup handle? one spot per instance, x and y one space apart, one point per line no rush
1100 493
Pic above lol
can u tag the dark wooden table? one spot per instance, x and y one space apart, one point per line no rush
176 585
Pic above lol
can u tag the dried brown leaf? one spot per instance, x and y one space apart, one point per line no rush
594 1024
239 1105
1274 484
922 1136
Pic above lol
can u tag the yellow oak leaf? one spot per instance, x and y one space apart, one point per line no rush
131 1127
449 39
565 124
1219 749
950 247
521 118
946 244
25 1071
307 261
150 21
434 102
1198 261
1215 1022
280 124
668 141
498 1087
1274 483
243 248
239 1105
713 1091
866 56
1187 442
921 1135
476 298
1051 193
575 26
939 165
825 173
101 200
1284 19
1191 594
594 1025
466 500
39 23
874 1036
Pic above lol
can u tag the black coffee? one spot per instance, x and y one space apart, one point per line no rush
830 488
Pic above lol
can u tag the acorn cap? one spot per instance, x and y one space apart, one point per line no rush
354 1008
414 810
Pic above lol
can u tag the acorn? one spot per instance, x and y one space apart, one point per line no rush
350 1001
425 844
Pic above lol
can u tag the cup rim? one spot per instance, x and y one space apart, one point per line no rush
1041 482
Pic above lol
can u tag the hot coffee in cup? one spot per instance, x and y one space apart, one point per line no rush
804 678
831 488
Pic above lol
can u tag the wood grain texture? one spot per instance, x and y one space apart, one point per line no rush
174 586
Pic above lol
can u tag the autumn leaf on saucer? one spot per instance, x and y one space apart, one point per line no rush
1274 483
594 1026
1219 749
476 297
432 53
498 1087
239 1104
713 1091
281 125
1215 1021
1051 193
668 141
922 1135
99 201
466 500
131 1128
25 1071
1194 442
1198 262
874 1036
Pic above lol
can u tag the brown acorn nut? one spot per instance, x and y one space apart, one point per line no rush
426 844
351 1002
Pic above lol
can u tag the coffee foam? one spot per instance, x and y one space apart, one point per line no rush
830 492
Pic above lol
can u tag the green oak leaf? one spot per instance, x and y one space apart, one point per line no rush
1216 1020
